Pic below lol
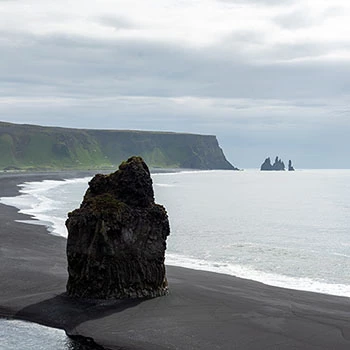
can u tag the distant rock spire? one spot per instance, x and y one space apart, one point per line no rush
266 165
290 166
278 164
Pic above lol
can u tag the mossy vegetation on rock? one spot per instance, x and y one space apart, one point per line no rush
117 238
35 147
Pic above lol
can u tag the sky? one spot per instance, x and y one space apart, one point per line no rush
266 77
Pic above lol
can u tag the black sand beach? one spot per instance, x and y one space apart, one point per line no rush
203 310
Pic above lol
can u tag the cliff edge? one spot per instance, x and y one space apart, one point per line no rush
30 147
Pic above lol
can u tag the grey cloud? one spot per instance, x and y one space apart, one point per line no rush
74 65
289 52
295 19
243 36
116 22
332 11
259 2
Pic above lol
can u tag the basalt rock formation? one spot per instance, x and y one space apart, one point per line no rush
278 165
266 165
290 166
117 238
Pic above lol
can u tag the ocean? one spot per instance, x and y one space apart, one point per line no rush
286 229
22 335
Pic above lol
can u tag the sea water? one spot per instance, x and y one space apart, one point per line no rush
287 229
22 335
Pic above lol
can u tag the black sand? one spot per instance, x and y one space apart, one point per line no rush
203 310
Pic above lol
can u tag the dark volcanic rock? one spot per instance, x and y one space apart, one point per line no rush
117 238
266 165
290 166
277 165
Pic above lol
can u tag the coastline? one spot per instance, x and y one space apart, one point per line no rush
204 310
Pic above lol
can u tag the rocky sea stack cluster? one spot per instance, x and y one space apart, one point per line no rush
117 238
278 165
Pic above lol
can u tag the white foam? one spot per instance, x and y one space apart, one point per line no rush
38 198
186 172
343 255
305 284
165 185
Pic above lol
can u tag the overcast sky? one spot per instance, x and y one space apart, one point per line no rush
267 77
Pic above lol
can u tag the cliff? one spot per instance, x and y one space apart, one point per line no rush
36 147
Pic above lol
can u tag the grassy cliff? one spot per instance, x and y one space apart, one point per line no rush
35 147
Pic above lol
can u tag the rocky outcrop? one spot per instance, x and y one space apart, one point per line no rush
117 238
278 165
266 165
290 166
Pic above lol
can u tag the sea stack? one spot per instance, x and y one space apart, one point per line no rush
290 166
278 165
266 166
117 238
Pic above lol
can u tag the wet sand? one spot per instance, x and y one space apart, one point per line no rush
203 311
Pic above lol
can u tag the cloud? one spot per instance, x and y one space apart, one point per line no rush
259 74
257 2
116 22
295 19
77 65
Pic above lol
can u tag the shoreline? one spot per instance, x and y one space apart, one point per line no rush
204 310
56 227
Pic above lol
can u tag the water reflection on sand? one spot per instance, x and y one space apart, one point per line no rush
15 334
